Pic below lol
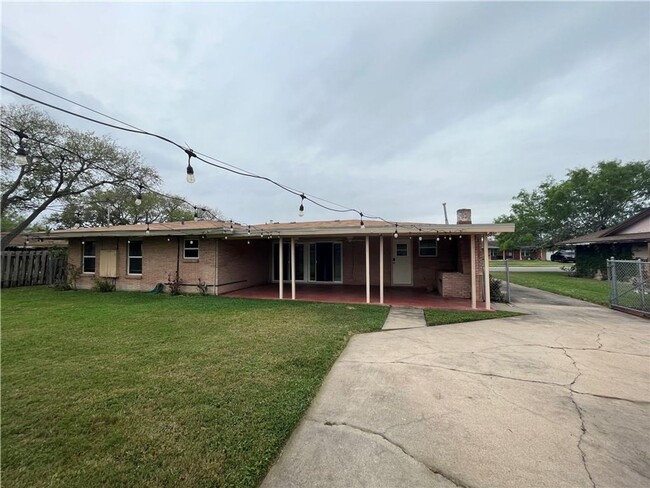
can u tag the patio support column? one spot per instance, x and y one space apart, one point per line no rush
367 269
381 269
486 272
280 274
472 258
293 268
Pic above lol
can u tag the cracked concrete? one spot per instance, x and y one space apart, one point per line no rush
557 398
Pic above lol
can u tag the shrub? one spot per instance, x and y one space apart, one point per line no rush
174 284
68 282
104 285
496 295
203 287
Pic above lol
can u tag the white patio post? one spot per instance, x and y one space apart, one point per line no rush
472 254
486 272
381 269
280 274
293 268
367 269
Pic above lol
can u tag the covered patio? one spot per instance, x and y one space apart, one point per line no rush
396 296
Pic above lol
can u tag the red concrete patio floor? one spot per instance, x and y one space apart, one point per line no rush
398 296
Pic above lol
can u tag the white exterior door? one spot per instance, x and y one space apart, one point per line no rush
402 262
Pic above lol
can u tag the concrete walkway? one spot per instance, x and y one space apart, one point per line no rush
557 398
404 318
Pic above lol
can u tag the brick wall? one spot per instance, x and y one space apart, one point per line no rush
159 260
246 264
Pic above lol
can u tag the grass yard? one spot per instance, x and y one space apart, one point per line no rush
440 317
130 389
581 288
498 263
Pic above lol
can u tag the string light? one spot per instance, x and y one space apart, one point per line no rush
361 224
190 170
396 235
249 231
196 214
147 232
138 196
301 209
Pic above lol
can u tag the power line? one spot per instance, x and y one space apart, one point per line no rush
200 156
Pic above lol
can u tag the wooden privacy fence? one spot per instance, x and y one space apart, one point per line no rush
29 268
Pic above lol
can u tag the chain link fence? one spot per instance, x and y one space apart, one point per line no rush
629 285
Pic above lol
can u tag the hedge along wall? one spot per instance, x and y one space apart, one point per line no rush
592 259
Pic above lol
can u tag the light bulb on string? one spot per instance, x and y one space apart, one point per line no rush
138 196
396 234
361 223
301 209
190 170
196 214
21 155
147 232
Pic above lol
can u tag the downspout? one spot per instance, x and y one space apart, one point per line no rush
178 257
216 267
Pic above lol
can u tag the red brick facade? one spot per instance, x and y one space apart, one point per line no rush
234 264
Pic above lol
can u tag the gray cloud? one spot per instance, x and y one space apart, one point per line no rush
389 107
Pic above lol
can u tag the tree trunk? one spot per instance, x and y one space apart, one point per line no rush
9 236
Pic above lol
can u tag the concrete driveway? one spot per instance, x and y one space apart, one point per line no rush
557 398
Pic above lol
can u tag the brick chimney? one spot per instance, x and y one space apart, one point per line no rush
464 216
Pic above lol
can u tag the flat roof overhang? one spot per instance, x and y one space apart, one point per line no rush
280 230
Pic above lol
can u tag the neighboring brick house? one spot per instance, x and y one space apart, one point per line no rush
230 257
520 254
628 240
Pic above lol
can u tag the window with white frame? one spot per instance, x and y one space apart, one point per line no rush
191 249
88 259
135 258
428 248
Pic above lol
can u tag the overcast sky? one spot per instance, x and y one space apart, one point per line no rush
392 108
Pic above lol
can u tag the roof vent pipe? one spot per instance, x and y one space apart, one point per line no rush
444 206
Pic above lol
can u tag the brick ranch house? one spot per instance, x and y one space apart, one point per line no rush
231 257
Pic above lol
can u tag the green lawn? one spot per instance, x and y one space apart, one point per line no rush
440 317
581 288
130 389
526 264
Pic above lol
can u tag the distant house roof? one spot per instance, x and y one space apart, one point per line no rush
634 229
216 228
34 241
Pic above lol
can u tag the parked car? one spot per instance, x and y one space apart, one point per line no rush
564 256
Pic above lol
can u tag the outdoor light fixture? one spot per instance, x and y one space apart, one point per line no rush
249 230
248 242
301 210
396 235
21 152
361 224
190 170
138 196
21 155
147 232
420 238
196 214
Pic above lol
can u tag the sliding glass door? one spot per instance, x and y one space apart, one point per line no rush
325 262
